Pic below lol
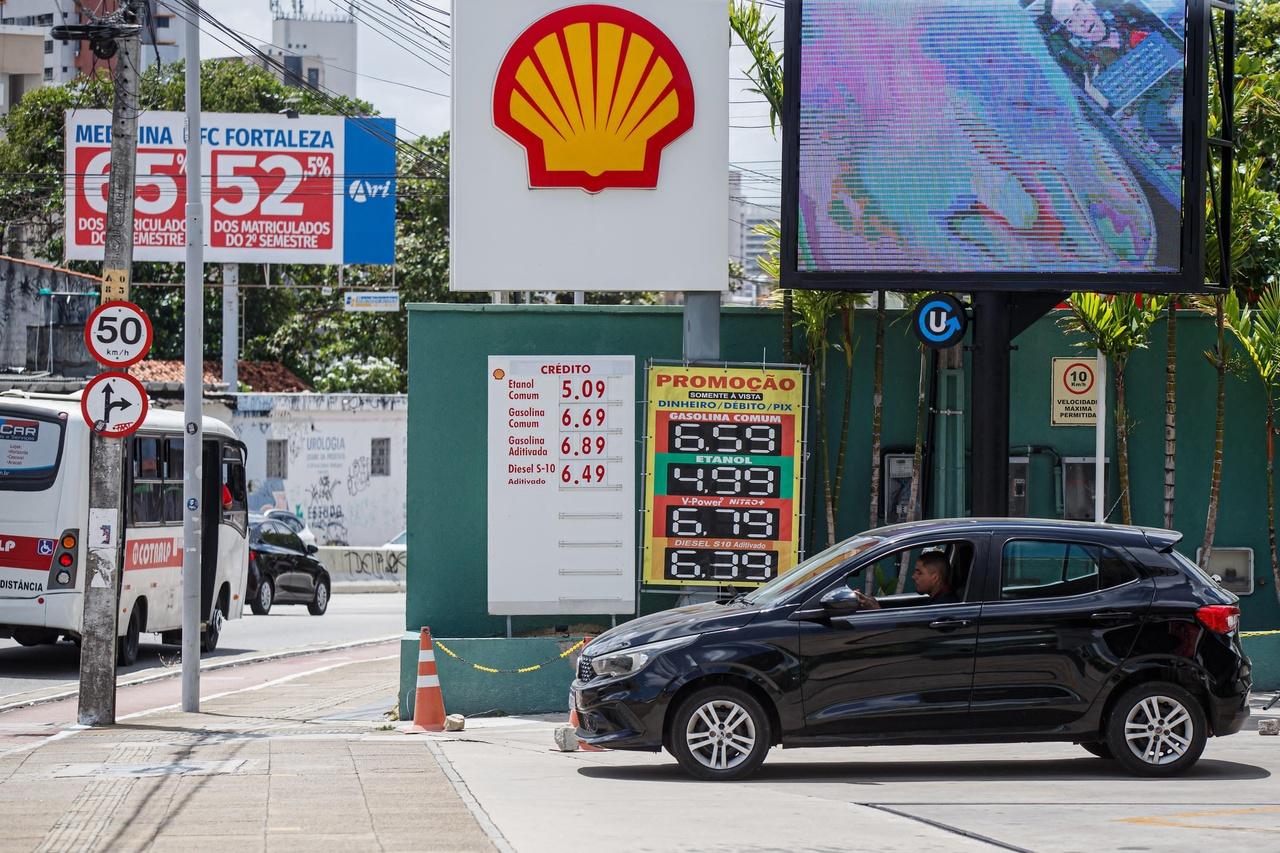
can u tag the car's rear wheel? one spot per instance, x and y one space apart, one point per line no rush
320 603
1157 729
720 733
1098 748
261 603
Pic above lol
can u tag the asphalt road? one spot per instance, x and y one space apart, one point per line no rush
29 672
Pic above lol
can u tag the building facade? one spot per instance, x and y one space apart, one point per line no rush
335 460
316 49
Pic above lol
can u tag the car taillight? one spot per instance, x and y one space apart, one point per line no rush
253 555
1222 618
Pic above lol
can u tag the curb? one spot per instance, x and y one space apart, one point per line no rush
174 671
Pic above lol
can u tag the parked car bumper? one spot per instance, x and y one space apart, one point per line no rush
622 714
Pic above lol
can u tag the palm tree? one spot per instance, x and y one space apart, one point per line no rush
756 33
1258 331
1170 407
1116 325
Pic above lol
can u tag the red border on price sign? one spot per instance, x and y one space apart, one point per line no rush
1070 367
108 433
146 321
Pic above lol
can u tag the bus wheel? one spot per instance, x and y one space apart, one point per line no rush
209 636
127 646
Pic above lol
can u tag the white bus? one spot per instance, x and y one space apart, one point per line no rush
45 528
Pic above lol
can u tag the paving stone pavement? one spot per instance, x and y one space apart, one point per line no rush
303 764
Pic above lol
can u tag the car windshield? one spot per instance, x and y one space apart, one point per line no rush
784 585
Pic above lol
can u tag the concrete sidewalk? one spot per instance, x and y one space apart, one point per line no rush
302 761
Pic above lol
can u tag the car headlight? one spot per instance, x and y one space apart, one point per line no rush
632 660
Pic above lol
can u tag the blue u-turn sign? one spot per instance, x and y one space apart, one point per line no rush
940 321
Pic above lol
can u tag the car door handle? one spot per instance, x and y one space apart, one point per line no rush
948 624
1111 615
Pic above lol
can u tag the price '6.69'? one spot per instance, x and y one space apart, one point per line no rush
118 334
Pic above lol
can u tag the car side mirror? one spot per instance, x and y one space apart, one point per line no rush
311 549
840 601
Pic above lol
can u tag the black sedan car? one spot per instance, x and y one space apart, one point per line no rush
284 571
1031 630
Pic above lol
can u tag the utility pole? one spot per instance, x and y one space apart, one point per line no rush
107 456
193 378
231 326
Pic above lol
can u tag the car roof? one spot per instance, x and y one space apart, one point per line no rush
1157 538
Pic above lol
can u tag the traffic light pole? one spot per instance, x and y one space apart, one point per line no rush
104 536
193 379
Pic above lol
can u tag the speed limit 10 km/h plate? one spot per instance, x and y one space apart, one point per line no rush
118 334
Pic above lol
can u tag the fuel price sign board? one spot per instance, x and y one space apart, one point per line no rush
562 484
723 451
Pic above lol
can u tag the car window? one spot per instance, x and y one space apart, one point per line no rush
886 571
290 521
1043 569
290 540
274 533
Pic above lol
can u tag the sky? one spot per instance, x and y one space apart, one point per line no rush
751 142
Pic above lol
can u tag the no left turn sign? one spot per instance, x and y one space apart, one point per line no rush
118 334
114 404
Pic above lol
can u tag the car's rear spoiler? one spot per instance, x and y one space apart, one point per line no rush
1160 540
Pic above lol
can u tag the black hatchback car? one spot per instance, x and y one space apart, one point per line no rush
1100 635
282 570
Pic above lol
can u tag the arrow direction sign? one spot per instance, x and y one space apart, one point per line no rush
114 404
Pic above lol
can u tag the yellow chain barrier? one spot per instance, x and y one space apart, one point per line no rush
520 671
1258 633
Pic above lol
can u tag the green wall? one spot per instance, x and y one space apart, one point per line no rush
449 346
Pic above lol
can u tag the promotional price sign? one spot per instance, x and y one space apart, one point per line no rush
723 453
311 189
561 484
118 334
114 404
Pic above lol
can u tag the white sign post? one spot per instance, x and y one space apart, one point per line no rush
562 487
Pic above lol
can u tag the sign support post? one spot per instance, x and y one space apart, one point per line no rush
702 326
97 699
1100 445
231 326
193 379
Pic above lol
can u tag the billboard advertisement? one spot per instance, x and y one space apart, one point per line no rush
724 457
310 190
589 146
1014 140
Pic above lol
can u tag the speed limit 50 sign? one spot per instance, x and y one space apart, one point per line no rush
1075 392
118 334
309 189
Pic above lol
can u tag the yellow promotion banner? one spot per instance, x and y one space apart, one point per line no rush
723 451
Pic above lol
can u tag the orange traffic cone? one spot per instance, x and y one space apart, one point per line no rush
582 745
428 703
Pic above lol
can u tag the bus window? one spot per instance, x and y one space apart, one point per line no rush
30 450
146 494
233 480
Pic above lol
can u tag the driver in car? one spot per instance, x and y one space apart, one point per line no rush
932 577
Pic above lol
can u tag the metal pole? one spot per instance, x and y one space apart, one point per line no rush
579 297
992 333
231 326
1100 444
97 698
193 379
702 326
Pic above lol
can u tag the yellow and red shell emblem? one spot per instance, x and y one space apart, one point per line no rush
593 93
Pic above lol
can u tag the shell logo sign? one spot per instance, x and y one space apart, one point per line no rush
593 93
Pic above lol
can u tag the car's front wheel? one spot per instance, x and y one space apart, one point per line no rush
720 733
1157 729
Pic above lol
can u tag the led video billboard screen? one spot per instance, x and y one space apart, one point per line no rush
1008 137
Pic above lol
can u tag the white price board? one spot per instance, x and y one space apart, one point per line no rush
562 484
